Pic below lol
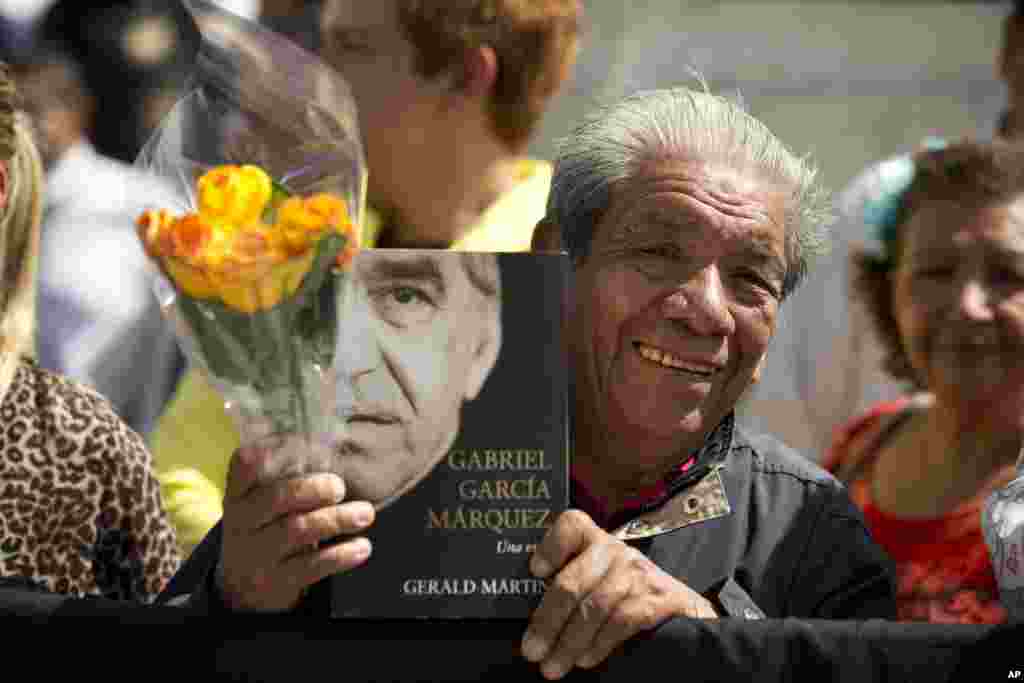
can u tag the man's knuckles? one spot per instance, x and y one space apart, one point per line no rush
311 527
639 614
307 493
573 526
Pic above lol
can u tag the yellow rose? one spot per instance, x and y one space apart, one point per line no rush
258 242
260 286
192 280
236 195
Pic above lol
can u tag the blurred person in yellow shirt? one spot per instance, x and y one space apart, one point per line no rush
449 96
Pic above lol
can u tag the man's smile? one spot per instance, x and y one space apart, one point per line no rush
666 359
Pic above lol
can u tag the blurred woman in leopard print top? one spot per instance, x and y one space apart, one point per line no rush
80 509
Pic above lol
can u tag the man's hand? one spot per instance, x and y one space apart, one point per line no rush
602 592
272 530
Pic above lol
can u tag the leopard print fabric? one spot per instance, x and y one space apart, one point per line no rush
80 509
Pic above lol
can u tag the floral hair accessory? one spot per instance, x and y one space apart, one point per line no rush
882 190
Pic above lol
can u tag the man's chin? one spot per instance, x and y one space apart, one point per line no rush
668 420
365 480
380 489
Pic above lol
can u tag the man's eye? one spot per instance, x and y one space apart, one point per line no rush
403 306
407 295
757 281
662 251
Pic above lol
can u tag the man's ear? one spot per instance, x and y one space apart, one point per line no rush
485 355
547 236
479 71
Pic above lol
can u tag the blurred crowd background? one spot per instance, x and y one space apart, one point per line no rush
848 83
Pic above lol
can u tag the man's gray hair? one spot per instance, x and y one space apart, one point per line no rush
612 142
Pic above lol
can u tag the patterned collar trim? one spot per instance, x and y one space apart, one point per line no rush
693 469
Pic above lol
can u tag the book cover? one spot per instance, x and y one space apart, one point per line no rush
453 386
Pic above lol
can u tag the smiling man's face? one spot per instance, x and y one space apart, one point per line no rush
419 333
675 304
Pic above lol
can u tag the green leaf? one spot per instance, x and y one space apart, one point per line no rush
278 194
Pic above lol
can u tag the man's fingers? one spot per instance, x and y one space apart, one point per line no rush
295 533
593 611
622 624
571 533
591 616
266 504
642 611
562 598
244 469
312 566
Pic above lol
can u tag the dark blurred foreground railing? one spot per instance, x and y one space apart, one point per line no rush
280 648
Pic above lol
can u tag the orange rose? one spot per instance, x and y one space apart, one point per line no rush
189 236
303 221
154 231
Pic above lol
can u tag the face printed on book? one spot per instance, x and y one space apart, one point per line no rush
419 332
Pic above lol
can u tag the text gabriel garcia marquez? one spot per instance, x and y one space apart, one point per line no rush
522 485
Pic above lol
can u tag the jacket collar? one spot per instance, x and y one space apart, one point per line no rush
664 508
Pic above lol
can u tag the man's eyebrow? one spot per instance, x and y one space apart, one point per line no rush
418 268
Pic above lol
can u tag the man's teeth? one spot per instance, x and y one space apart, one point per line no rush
668 360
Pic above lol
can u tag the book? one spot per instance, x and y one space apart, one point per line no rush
454 387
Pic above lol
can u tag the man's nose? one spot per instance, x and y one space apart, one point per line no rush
357 351
701 304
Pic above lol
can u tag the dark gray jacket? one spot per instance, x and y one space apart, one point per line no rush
768 533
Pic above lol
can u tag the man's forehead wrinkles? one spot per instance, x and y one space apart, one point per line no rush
647 228
684 224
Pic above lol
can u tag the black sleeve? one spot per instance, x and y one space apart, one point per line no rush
731 600
692 650
797 650
193 585
851 575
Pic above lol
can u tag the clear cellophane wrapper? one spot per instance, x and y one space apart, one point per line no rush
253 306
1002 523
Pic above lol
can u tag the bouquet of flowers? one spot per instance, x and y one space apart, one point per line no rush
265 153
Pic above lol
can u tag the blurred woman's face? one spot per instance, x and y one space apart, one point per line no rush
958 295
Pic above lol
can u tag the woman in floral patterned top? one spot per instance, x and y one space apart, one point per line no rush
946 291
80 509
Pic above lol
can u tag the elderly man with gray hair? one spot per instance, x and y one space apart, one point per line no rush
688 224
